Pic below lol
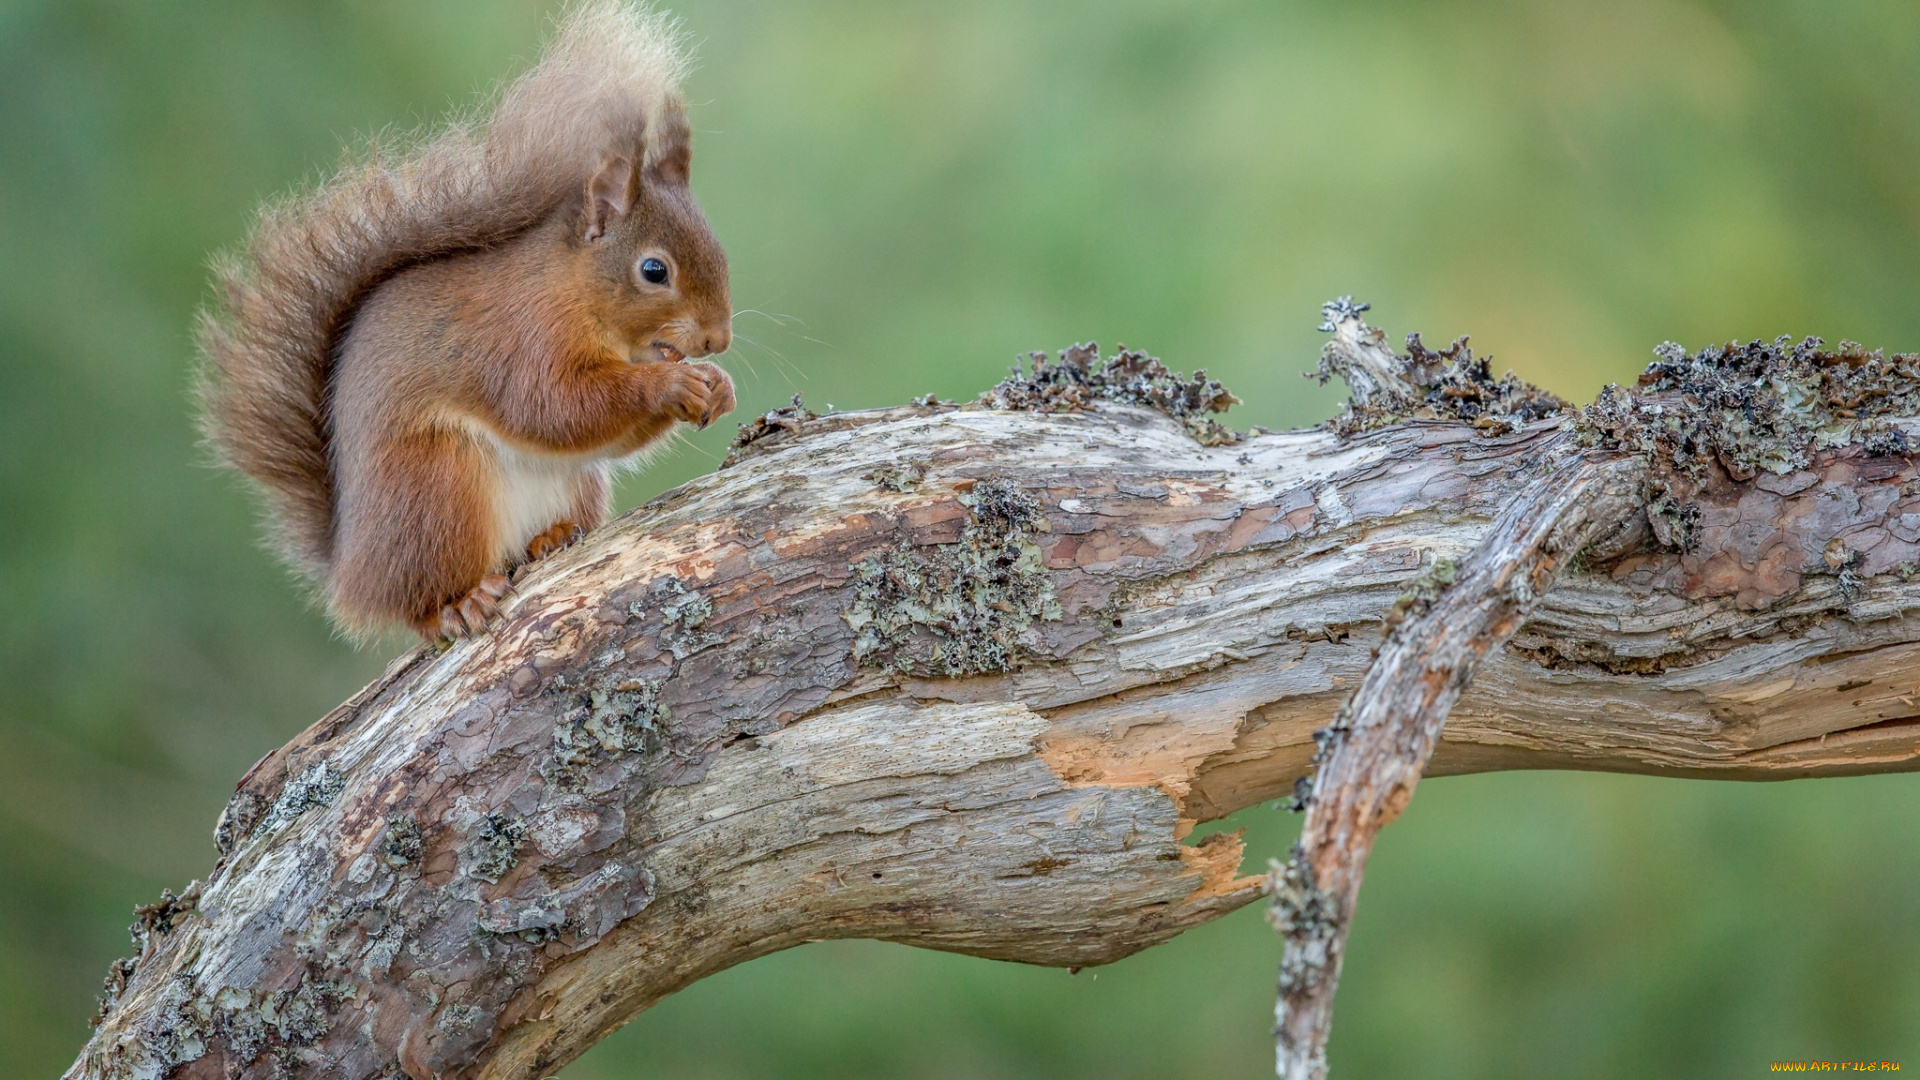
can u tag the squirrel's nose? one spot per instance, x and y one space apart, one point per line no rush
716 340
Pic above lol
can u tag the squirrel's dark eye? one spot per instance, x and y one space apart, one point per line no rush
654 270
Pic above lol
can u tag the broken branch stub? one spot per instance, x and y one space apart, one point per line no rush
964 678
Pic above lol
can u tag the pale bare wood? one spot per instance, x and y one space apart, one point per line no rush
495 855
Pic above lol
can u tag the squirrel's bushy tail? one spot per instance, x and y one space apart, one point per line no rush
287 297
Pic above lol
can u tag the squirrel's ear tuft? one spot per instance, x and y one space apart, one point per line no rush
670 148
610 194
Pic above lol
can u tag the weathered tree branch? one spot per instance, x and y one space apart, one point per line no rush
965 678
1372 755
1376 749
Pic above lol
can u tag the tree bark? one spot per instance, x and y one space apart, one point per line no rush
965 679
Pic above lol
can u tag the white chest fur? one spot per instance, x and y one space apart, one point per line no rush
534 491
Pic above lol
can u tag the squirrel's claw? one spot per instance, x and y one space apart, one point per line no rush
705 394
473 613
563 534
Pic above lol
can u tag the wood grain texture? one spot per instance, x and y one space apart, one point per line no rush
668 759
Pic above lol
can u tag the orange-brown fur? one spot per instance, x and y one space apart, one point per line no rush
528 346
430 363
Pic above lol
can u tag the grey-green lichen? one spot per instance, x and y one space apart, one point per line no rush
318 786
494 846
1758 407
1328 739
590 906
1450 384
403 842
683 617
903 478
1077 380
1748 409
455 1018
962 608
1306 916
151 922
1422 591
352 937
187 1019
616 718
1300 797
237 819
119 973
1675 524
1844 562
159 919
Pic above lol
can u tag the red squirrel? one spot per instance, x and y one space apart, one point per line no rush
431 363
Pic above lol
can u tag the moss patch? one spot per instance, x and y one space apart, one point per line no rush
957 609
1077 380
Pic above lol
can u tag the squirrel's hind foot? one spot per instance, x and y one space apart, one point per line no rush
564 534
470 615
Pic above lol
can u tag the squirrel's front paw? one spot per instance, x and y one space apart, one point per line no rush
470 615
702 393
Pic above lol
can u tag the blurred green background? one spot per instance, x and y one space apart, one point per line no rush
911 195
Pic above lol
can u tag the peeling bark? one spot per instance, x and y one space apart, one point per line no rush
1083 634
